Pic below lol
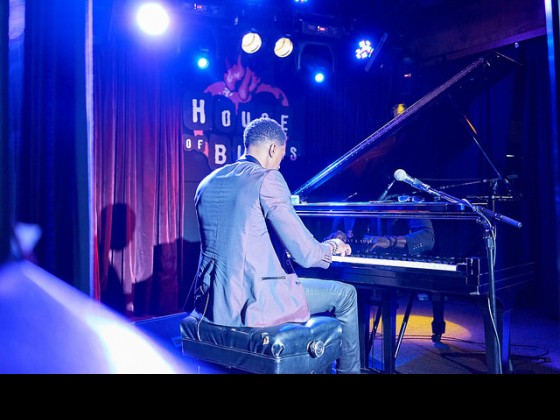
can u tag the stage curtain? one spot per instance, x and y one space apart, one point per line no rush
137 179
5 178
50 149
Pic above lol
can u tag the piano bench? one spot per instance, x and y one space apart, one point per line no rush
290 348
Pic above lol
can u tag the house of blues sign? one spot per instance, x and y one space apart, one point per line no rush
214 120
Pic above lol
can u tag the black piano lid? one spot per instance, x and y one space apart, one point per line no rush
437 145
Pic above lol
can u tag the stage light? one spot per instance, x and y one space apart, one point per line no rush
152 18
319 77
251 42
202 58
202 62
315 61
364 50
319 73
283 47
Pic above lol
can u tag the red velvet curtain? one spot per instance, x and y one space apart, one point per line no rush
137 180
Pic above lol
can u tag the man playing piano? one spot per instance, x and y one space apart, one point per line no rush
250 233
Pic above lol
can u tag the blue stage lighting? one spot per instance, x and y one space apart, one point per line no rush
152 18
316 61
364 49
202 62
319 77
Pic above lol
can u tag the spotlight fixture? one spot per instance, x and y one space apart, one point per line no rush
202 62
319 77
314 58
251 42
283 47
152 18
364 50
202 58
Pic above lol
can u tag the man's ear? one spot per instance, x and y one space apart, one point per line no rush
271 149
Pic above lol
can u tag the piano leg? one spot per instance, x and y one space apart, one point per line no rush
364 313
438 322
374 328
386 301
404 324
389 320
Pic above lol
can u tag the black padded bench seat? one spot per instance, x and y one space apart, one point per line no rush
292 348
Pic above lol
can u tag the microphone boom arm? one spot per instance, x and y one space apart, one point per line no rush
477 209
400 175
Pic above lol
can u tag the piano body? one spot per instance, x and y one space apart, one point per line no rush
469 257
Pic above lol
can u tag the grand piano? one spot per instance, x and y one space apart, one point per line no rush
471 203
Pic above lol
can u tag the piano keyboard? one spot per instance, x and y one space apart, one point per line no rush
433 265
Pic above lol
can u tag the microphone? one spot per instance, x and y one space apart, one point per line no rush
401 175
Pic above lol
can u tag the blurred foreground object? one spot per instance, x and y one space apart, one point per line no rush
49 327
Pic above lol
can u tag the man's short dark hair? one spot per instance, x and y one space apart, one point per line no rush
263 129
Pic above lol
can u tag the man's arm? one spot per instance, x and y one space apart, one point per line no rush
421 238
296 238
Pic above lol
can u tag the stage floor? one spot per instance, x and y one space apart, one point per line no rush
534 340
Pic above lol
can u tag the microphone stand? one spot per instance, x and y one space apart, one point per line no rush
490 240
383 195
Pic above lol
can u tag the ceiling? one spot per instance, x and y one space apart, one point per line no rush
427 30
